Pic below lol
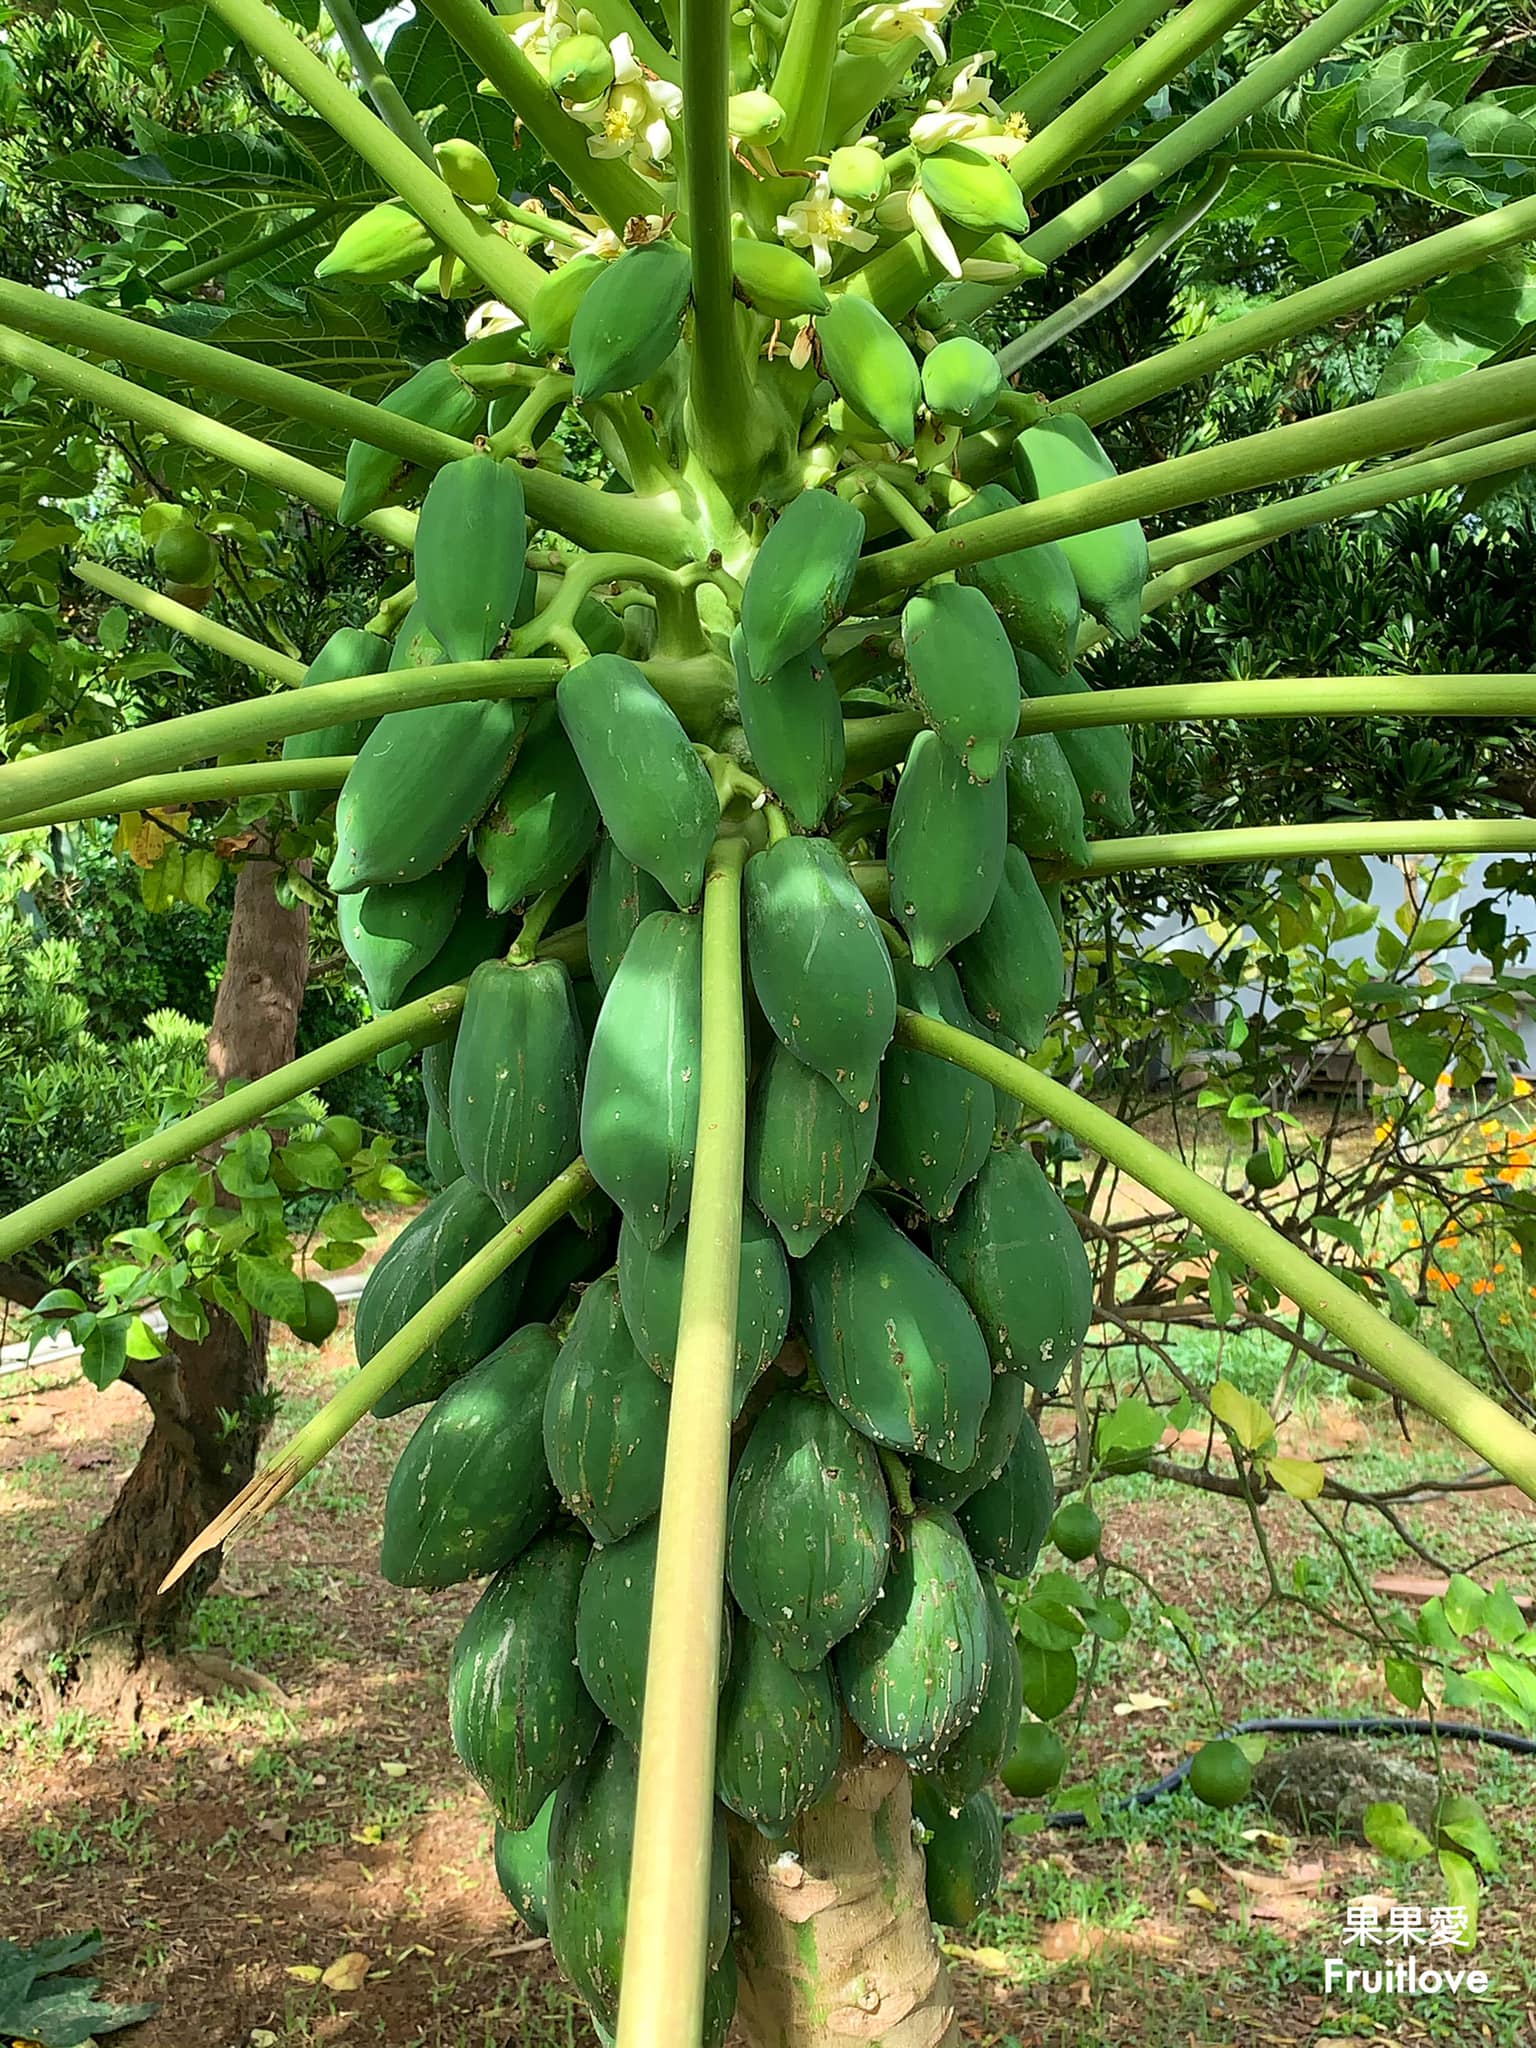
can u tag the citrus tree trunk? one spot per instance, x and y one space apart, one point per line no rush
101 1617
834 1943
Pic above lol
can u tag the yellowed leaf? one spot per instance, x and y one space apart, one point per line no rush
147 844
1196 1897
304 1973
128 823
990 1961
1141 1703
347 1973
1250 1423
1301 1478
393 1768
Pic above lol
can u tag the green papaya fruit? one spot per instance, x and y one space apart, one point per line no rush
522 1868
555 303
470 1492
962 1856
605 1420
452 1227
591 1846
640 1105
613 1627
435 396
476 936
416 645
1101 757
466 170
1110 564
974 191
651 1291
936 1120
808 1530
897 1349
794 726
994 1447
436 1065
518 1713
443 1163
978 1752
1006 1523
1045 809
963 673
599 626
471 537
819 964
567 1255
542 826
776 282
912 1672
948 834
581 68
349 652
654 792
871 366
961 381
780 1737
380 246
809 1150
1012 1249
629 319
391 933
799 580
421 781
1032 590
620 896
858 174
515 1090
1012 969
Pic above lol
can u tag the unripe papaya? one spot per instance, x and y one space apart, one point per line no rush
541 828
963 1855
444 1166
470 540
349 652
859 175
961 381
415 644
974 191
391 933
630 319
779 1741
1110 564
613 1627
897 1349
1015 1254
521 1857
808 1535
381 245
605 1420
568 1255
755 117
476 936
554 305
1045 807
1101 758
963 673
620 896
973 1759
871 366
652 789
515 1090
470 1491
1032 590
793 721
581 69
948 834
436 396
809 1149
467 171
935 1119
799 580
776 282
185 554
994 1447
912 1673
819 965
1008 1520
640 1105
651 1293
519 1715
1012 969
436 1066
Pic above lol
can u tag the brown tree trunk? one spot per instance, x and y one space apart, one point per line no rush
102 1616
834 1944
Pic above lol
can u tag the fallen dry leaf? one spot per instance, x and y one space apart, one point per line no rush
991 1962
1142 1703
347 1973
304 1973
1196 1897
1068 1939
1296 1877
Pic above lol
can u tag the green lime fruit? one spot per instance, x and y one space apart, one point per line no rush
1220 1775
1076 1530
1038 1760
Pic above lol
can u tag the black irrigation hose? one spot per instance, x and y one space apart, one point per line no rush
1364 1724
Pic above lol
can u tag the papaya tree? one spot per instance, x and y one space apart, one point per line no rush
708 795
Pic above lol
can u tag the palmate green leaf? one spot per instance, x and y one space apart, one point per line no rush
130 32
1024 33
1462 322
39 2002
195 44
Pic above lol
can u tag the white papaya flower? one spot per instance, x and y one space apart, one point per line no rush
878 28
491 318
536 33
820 222
633 119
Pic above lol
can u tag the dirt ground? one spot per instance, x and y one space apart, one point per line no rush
309 1864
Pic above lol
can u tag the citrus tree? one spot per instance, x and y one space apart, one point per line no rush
706 805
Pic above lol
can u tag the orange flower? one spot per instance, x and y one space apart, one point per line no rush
1482 1287
1521 1085
1445 1281
1476 1177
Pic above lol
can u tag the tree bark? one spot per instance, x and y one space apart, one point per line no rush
103 1608
834 1943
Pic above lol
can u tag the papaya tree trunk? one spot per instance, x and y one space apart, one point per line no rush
834 1943
100 1618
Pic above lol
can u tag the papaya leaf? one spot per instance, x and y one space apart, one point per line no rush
1388 1828
40 2002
